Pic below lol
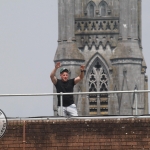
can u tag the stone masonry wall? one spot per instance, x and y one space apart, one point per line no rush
71 134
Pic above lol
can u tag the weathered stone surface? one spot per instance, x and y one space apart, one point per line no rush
105 35
68 51
127 50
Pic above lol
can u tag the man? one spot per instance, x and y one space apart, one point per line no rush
65 85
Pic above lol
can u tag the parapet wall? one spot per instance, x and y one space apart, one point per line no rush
76 134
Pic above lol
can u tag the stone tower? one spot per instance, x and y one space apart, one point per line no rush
105 35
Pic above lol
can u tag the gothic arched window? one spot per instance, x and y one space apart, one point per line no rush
91 9
103 8
98 81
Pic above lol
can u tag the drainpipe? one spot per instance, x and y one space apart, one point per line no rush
24 136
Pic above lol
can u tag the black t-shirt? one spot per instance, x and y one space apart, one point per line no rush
65 87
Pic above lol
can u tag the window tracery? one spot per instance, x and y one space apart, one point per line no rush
103 8
91 9
98 81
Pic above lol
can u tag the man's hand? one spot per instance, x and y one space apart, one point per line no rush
82 67
57 65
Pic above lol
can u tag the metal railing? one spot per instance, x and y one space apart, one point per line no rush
80 93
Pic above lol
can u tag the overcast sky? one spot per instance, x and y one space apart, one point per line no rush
28 41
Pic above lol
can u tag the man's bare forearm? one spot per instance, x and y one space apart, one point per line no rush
52 75
81 75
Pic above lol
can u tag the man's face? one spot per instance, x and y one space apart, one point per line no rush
64 76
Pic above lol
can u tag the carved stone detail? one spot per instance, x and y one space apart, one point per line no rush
126 61
143 71
73 62
97 41
96 26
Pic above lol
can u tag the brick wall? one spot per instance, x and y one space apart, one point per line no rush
94 134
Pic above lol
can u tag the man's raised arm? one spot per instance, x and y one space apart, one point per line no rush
80 77
52 75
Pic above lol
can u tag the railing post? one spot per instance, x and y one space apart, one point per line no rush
136 102
61 104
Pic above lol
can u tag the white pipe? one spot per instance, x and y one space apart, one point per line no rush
75 93
78 117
